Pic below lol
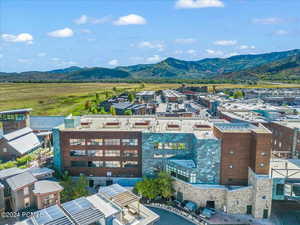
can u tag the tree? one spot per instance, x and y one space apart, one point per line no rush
80 187
128 112
238 94
148 188
165 184
131 97
97 98
102 110
115 89
142 86
112 111
87 104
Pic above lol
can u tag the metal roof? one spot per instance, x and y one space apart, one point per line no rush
23 140
10 172
20 180
16 111
45 122
82 211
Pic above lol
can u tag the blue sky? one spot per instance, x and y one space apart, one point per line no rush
51 34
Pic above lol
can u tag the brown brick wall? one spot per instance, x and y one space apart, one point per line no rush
125 172
246 148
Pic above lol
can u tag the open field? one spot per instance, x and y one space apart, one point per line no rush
65 98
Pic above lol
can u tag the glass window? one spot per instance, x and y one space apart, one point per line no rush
94 142
78 163
130 164
130 153
112 142
97 153
112 164
280 189
130 142
74 141
112 153
170 146
77 152
95 164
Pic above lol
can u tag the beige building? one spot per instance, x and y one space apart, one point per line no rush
255 199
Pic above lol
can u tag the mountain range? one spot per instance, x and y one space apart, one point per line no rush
268 66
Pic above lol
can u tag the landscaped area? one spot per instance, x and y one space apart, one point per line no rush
66 98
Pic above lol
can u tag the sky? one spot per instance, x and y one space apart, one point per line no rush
50 34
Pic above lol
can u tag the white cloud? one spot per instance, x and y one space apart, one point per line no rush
55 59
191 51
244 47
62 33
41 54
270 20
23 60
84 19
214 52
23 37
154 59
280 32
130 19
113 62
192 4
185 40
151 45
225 42
232 54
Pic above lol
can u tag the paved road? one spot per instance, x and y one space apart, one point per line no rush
168 218
286 213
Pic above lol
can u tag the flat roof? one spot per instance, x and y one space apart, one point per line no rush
16 111
20 180
46 186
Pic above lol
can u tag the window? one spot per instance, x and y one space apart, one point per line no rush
78 163
95 142
280 189
26 202
230 166
261 165
112 142
97 153
263 153
130 153
279 144
130 164
112 164
26 191
170 146
112 153
74 141
77 152
4 149
231 152
166 156
95 164
130 142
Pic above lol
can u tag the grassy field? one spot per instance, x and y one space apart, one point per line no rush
66 98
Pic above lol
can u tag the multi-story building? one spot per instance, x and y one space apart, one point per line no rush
195 152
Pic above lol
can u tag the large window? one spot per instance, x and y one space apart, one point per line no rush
130 142
77 153
130 153
112 164
110 142
112 153
78 163
94 142
130 164
96 164
280 189
170 146
74 141
97 153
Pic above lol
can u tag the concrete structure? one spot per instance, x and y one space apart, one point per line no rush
255 199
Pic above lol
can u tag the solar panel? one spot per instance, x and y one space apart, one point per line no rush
51 216
112 190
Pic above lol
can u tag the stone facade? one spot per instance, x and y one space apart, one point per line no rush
254 199
204 152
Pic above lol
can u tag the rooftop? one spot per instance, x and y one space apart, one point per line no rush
241 127
45 122
16 111
20 180
46 186
10 172
201 128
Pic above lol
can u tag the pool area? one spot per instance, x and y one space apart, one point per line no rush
168 218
